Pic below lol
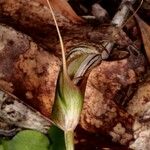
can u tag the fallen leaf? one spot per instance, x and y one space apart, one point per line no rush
145 32
63 7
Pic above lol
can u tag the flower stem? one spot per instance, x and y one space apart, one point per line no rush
69 140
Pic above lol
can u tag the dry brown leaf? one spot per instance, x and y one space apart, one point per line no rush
145 32
63 7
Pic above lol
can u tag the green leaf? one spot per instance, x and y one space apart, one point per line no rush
57 140
27 140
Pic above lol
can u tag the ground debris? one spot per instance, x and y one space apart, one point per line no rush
34 70
100 112
29 68
139 107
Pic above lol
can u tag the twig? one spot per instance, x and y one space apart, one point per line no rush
122 14
117 21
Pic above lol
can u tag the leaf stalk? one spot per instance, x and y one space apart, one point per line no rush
69 140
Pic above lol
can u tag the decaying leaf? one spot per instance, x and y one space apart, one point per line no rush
145 32
100 113
139 106
63 7
15 112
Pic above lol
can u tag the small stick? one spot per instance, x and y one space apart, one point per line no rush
118 21
122 14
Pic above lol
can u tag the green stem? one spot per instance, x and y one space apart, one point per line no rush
69 140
